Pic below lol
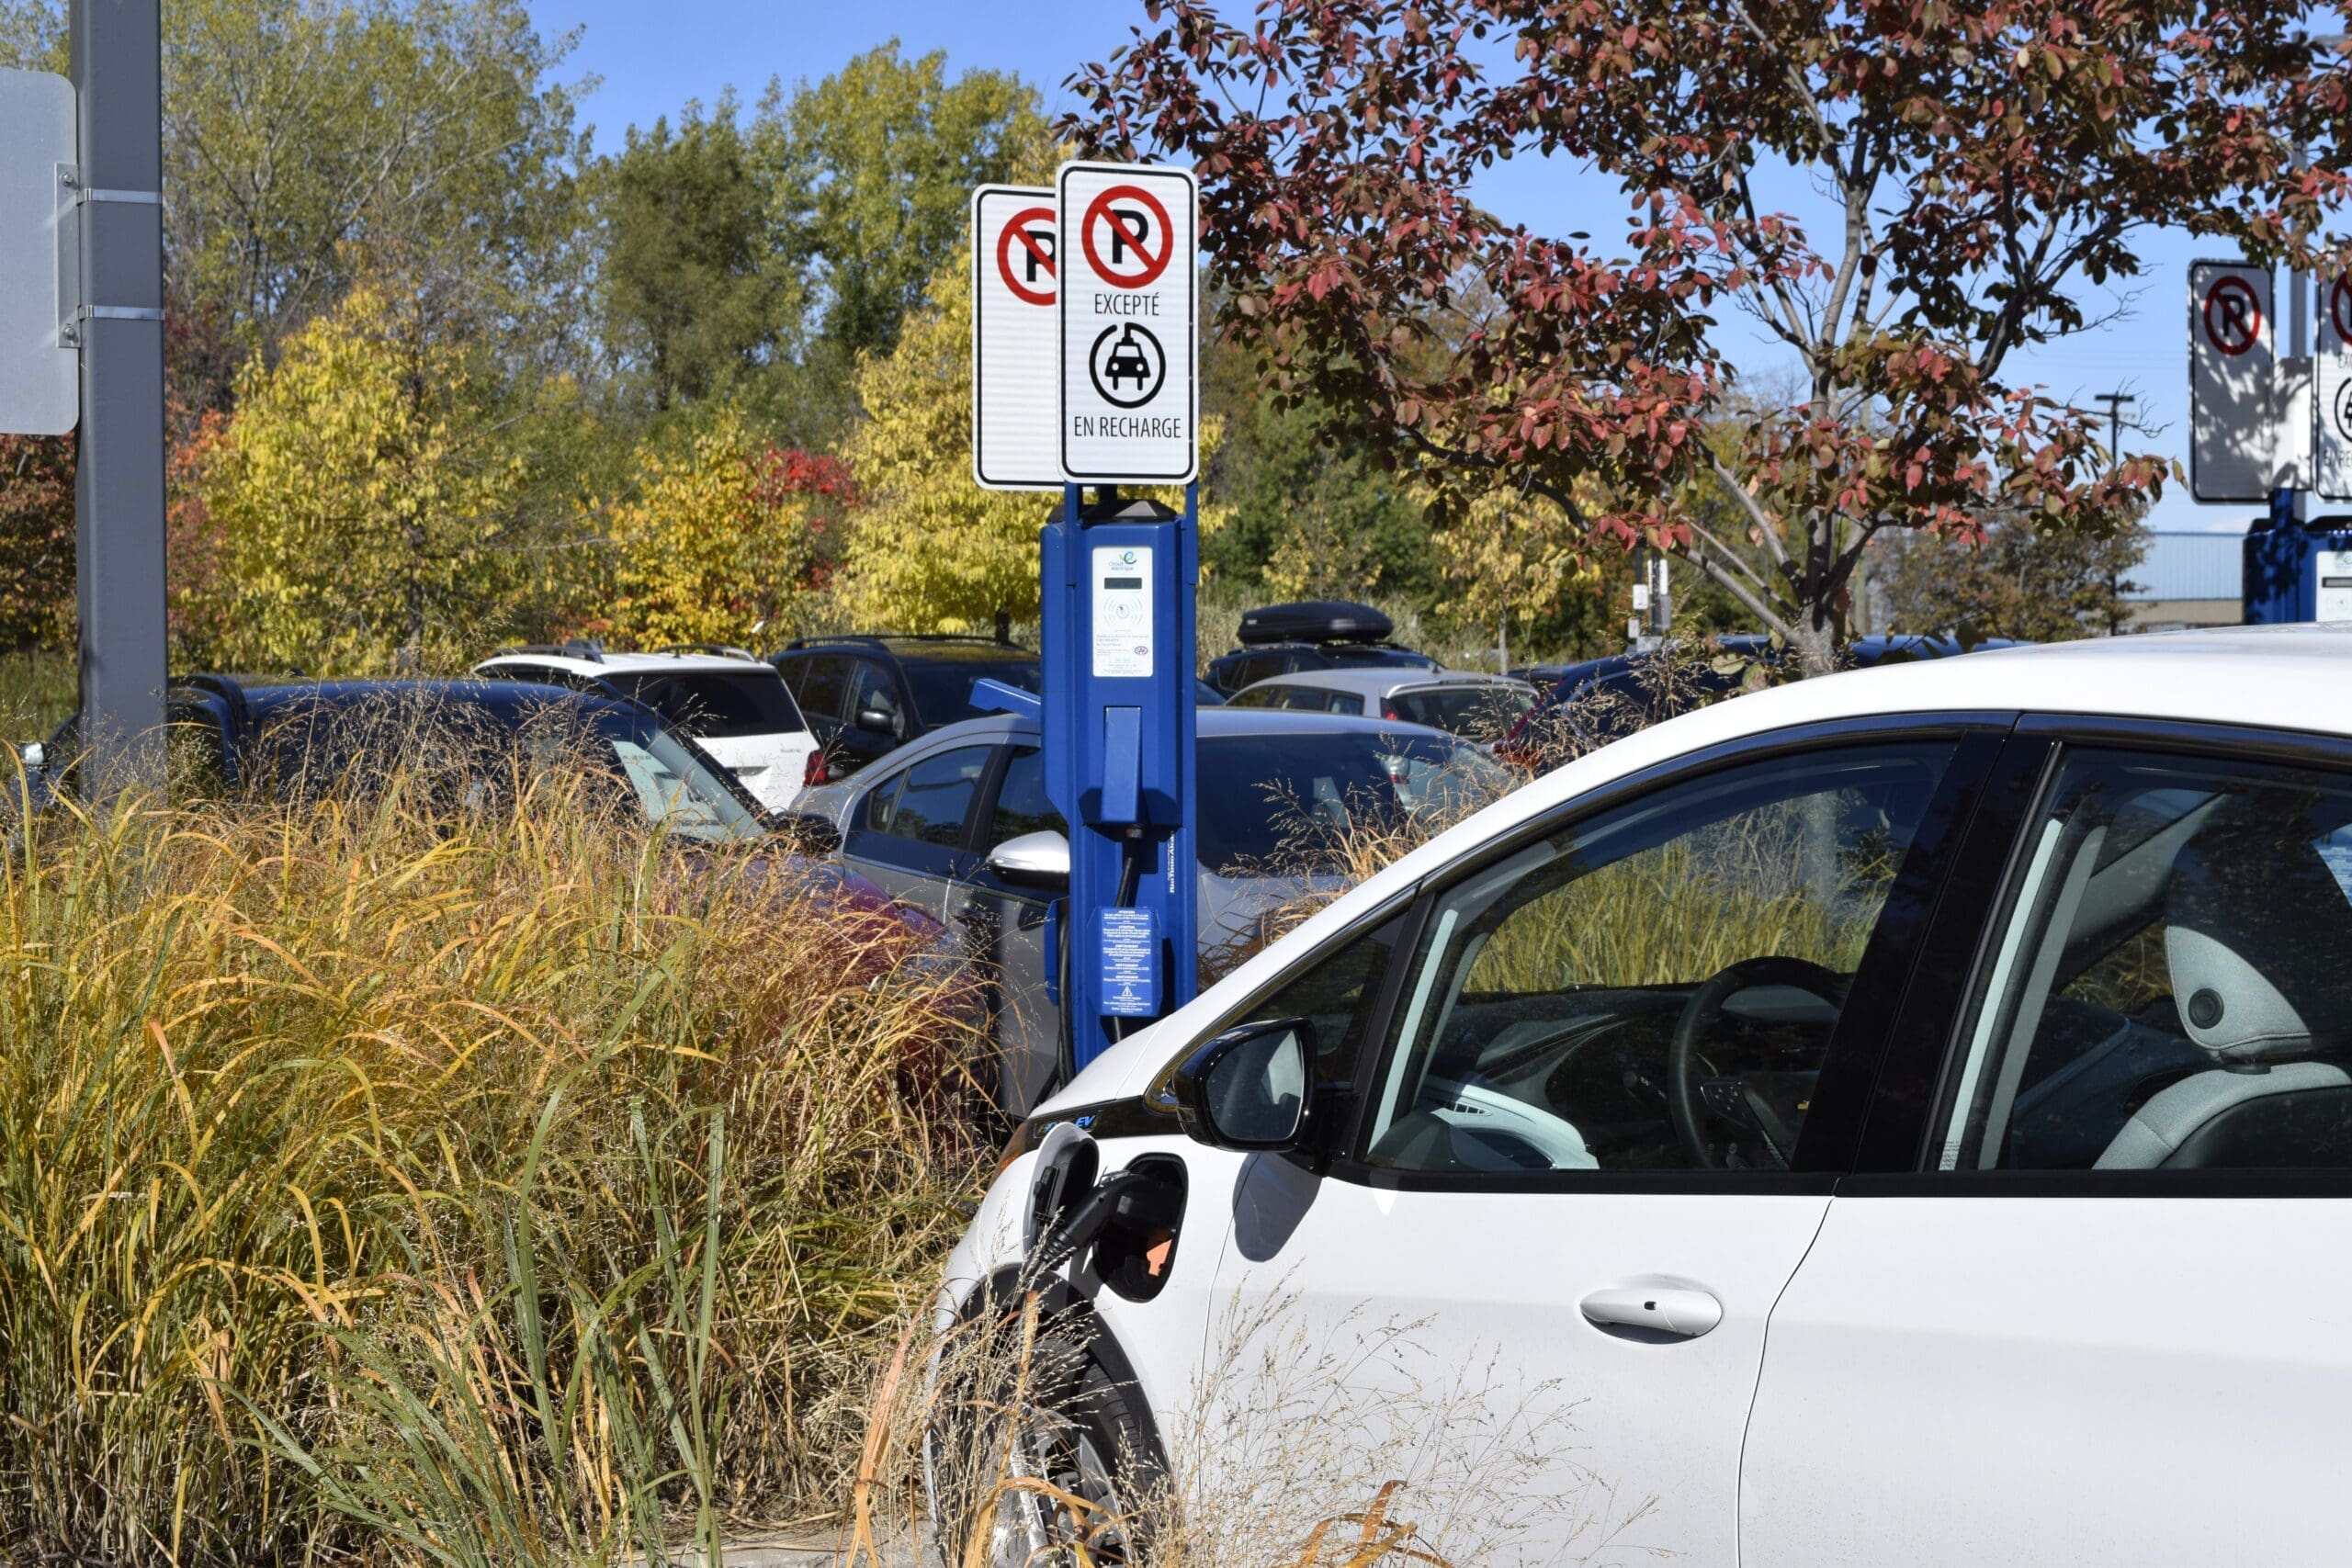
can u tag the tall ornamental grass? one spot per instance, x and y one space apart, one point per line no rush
371 1170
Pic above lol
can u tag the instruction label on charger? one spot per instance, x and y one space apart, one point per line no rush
1127 945
1122 579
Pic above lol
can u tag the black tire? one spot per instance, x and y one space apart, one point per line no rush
1084 1434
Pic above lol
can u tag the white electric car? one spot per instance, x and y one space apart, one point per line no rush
733 704
1899 1117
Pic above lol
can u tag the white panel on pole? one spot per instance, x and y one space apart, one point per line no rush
1130 387
40 387
2230 361
1013 362
2332 433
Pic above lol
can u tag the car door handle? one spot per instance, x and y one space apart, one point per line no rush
1680 1311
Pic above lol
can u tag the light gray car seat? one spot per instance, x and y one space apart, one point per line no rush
2258 941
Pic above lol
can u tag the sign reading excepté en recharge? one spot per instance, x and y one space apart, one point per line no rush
1125 252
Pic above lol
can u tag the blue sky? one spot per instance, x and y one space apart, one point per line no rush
652 58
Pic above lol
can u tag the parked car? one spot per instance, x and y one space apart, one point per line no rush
866 696
1461 702
1322 634
280 738
929 825
1608 698
734 705
1941 1121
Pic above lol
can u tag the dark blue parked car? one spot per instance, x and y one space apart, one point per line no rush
1608 698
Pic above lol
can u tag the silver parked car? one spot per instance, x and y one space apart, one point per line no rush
956 822
1475 707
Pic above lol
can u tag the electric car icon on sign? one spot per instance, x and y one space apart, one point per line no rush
1127 353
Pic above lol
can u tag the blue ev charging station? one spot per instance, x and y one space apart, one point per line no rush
1084 375
2298 570
1119 579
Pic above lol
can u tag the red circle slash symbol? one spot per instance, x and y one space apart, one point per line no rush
2232 315
1128 229
1034 227
2339 307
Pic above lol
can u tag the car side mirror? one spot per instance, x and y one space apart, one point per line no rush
880 720
1039 861
1251 1088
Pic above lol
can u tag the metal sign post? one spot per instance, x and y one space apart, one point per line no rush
118 483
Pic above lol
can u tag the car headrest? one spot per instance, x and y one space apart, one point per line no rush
2258 939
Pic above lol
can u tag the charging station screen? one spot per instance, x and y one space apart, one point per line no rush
1123 611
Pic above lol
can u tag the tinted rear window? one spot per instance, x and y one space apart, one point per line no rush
1279 799
1480 713
1355 656
719 703
943 688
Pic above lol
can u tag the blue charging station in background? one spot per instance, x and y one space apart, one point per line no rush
1119 580
2299 572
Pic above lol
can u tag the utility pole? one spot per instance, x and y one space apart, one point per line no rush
2115 403
118 483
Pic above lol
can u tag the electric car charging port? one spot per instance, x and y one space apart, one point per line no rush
1137 1249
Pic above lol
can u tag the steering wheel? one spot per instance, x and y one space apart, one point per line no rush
1700 1016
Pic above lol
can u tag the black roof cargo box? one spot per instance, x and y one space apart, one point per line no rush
1315 620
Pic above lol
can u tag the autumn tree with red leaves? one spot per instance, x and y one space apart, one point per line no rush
1988 166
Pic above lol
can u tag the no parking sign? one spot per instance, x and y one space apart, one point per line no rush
1013 286
2232 439
1130 395
2332 440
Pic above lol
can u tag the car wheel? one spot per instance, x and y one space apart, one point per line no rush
1073 1465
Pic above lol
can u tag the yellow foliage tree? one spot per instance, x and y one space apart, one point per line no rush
363 496
724 535
930 550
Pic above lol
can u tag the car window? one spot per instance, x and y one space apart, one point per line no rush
935 797
943 687
715 705
1021 802
872 692
1283 804
2172 983
1350 656
820 682
1258 697
1347 703
1656 988
1336 993
1304 699
1479 712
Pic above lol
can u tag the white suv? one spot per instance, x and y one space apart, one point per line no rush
1900 1117
732 703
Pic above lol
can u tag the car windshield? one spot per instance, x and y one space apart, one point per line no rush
1283 801
674 784
1477 712
943 687
717 704
468 754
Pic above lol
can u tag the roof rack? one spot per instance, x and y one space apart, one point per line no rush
717 650
878 639
588 649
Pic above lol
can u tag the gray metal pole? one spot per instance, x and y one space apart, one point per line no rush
118 485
